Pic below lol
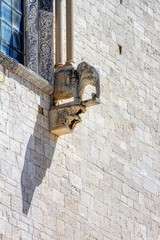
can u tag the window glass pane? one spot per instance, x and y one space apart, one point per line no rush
6 32
17 41
11 28
6 49
6 13
18 56
18 5
8 1
17 21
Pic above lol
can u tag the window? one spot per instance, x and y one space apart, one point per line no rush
35 48
11 28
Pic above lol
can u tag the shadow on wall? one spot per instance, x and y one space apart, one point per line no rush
38 157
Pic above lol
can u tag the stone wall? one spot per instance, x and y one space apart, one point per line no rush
102 182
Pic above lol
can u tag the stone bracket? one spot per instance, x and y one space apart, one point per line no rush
70 83
64 119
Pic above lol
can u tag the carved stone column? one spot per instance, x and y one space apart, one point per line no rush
59 35
39 37
70 33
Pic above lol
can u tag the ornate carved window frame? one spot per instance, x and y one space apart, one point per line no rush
39 37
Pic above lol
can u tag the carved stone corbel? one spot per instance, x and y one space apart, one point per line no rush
63 119
70 83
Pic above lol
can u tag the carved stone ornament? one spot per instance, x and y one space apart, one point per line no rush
39 37
70 83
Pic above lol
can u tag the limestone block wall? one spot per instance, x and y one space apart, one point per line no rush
102 182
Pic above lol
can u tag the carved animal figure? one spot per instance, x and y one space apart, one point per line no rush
88 75
71 83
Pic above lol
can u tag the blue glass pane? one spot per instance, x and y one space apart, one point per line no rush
17 21
17 4
6 13
6 49
18 56
6 32
11 28
8 1
17 41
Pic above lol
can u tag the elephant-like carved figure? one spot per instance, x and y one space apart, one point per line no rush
88 75
71 83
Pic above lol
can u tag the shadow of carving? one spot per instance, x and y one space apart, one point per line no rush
38 158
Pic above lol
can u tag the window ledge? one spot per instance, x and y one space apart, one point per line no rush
25 73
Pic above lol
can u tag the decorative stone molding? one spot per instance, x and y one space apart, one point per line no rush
39 37
70 83
26 74
31 34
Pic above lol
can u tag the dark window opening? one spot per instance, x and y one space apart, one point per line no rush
11 29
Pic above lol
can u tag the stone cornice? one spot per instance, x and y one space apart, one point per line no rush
25 73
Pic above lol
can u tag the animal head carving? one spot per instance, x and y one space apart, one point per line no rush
88 75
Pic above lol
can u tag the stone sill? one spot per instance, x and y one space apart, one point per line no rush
25 73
